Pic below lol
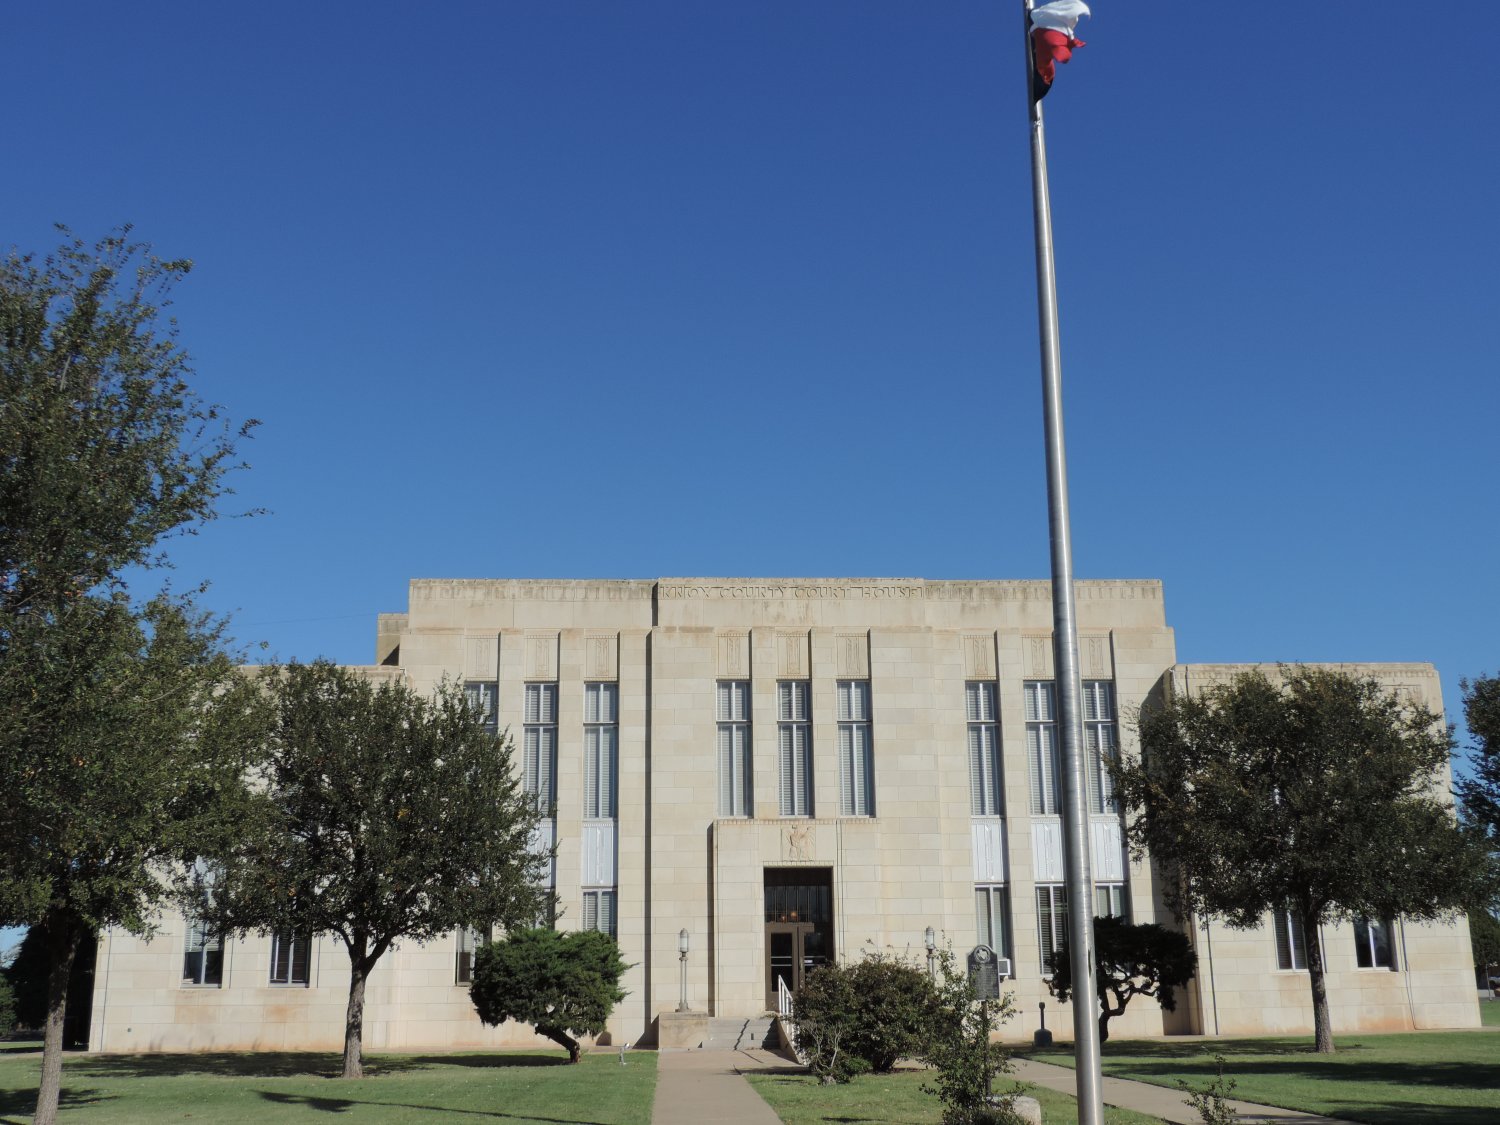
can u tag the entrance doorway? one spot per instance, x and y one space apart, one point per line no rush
799 925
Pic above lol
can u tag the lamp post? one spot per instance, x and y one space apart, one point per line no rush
931 939
682 952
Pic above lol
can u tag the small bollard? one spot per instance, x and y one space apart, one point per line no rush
622 1053
1041 1037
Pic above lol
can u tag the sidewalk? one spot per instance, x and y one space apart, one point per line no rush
696 1086
1159 1101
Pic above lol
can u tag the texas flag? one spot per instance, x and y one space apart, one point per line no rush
1052 40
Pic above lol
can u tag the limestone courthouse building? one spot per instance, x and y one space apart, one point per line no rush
788 771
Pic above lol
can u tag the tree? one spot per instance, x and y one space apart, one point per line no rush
384 816
1480 793
562 984
1129 961
1320 795
105 451
1484 933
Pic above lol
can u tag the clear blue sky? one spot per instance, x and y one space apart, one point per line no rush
746 288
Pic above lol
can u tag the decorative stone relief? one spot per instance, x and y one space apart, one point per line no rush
979 657
1038 657
791 656
798 842
734 656
1094 657
852 656
601 657
482 658
541 656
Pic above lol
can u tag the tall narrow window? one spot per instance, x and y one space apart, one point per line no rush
1109 900
600 737
1041 746
599 911
539 745
203 958
291 957
794 747
984 749
1373 944
482 695
1291 941
732 709
469 940
1100 742
856 760
1051 922
992 918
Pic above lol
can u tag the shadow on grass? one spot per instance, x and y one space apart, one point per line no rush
349 1105
1414 1113
22 1102
496 1060
288 1064
1379 1074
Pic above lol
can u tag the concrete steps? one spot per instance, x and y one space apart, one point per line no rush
756 1033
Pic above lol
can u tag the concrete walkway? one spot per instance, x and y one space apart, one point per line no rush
695 1087
1159 1101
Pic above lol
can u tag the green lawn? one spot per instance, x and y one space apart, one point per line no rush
894 1099
1489 1013
1421 1078
224 1088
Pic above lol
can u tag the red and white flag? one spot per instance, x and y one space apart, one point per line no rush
1052 41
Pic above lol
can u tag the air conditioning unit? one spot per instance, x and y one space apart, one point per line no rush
1002 967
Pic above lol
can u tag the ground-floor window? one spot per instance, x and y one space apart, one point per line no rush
1051 922
599 911
469 940
291 957
1374 947
203 960
1109 901
1291 941
992 918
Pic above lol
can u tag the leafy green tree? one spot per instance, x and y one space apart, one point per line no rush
562 984
28 975
1322 794
1129 961
1480 793
384 816
825 1014
7 1007
1484 933
105 452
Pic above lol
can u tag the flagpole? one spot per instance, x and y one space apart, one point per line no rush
1075 825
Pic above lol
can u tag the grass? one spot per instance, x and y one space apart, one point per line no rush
1420 1078
1489 1013
510 1088
894 1099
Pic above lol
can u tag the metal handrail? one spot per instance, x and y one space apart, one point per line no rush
783 998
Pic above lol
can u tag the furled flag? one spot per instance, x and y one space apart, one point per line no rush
1052 40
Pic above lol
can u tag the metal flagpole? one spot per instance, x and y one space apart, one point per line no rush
1079 885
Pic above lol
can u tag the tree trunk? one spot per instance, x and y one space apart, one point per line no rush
1103 1027
561 1037
354 1017
63 937
1322 1027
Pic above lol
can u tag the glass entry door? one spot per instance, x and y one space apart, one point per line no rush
799 926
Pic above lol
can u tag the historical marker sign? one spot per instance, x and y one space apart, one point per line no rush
984 975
